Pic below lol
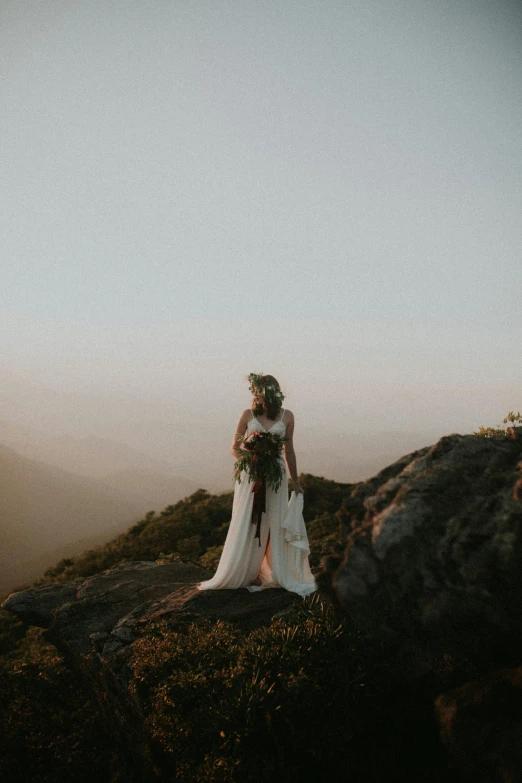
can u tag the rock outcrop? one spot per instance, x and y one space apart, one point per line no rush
434 548
102 613
94 622
433 566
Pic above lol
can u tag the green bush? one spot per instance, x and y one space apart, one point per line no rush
51 727
226 704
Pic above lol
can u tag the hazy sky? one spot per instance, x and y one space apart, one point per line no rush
326 191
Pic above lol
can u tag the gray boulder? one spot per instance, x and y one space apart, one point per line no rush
102 615
434 548
433 568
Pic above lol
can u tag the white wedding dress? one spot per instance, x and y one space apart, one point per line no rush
284 563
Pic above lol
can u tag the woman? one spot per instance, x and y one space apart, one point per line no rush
278 557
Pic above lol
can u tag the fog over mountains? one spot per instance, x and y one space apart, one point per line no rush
76 467
47 513
61 495
96 434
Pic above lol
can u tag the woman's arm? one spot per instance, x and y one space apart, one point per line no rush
291 462
240 431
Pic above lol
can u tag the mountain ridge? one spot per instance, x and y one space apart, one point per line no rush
44 508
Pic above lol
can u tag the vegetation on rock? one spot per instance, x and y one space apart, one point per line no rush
226 705
488 432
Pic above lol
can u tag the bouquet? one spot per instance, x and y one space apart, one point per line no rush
261 462
261 458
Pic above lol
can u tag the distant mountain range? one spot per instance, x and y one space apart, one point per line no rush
89 456
47 512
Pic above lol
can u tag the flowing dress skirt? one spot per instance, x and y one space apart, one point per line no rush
282 564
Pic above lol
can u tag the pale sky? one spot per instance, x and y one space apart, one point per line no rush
328 192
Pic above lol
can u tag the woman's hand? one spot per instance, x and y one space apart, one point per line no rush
298 489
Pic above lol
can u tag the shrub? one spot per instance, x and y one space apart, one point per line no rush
227 704
511 418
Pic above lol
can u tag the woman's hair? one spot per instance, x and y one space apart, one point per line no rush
273 396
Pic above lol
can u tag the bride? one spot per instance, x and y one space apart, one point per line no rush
278 557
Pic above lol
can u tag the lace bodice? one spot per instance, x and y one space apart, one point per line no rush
279 426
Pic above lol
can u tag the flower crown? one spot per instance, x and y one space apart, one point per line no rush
271 391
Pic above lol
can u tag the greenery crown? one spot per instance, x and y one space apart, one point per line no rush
270 390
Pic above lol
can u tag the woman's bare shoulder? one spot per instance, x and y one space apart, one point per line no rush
288 416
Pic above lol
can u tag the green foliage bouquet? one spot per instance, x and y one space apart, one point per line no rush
260 459
261 462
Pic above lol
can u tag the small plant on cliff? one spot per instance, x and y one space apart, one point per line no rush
512 418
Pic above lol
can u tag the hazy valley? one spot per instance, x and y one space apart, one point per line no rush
49 512
61 494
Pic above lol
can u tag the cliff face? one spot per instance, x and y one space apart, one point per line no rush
434 546
432 567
